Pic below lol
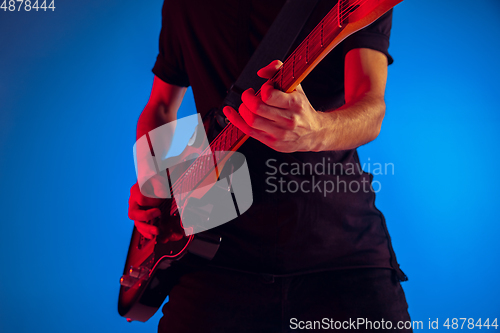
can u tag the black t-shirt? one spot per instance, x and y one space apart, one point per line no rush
205 45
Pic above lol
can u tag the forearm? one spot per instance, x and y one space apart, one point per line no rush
154 115
352 125
164 101
360 119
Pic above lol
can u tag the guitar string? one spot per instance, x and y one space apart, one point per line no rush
326 21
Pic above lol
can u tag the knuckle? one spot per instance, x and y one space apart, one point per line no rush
243 109
265 95
252 133
274 139
293 102
140 227
251 121
266 92
259 107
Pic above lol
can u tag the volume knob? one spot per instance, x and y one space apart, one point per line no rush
127 281
138 272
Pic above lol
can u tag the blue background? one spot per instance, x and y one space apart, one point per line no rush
74 81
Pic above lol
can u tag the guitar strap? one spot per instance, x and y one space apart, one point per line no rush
275 45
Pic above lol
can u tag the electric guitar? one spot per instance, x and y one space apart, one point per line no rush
151 268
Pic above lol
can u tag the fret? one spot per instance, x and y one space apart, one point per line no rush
322 23
329 26
206 161
228 131
201 167
230 128
236 135
216 143
189 185
226 137
339 5
287 74
213 161
282 69
300 60
307 49
315 49
274 81
286 82
221 142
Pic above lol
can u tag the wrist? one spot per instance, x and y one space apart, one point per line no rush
322 135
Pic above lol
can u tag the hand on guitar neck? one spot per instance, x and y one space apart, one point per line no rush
285 122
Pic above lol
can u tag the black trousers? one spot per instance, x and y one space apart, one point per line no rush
219 301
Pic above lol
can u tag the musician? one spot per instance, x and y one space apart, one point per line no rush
294 257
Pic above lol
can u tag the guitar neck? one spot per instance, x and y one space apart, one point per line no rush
344 19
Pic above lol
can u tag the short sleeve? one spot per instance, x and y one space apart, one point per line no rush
169 65
375 37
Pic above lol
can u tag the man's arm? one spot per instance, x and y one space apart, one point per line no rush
161 108
164 101
287 122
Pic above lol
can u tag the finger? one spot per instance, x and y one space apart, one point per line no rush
138 197
269 71
147 202
239 122
278 98
160 185
236 119
148 231
260 123
258 107
156 187
136 213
